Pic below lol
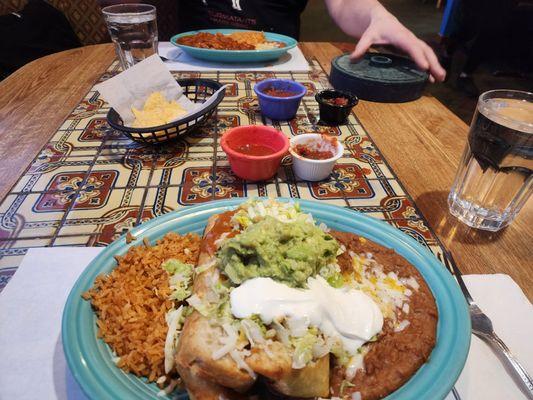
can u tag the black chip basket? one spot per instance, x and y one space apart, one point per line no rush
198 91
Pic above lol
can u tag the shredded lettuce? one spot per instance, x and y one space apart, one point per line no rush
175 266
332 274
345 384
221 288
180 278
336 280
252 332
174 323
303 349
200 306
180 293
298 326
223 311
259 322
254 210
343 357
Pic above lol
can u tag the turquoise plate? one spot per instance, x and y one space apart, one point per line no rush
236 56
90 360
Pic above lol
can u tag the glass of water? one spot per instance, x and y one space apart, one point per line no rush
133 30
495 177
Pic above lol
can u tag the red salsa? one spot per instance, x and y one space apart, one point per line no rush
337 101
253 149
272 91
313 154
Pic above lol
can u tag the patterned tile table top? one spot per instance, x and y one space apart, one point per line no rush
90 184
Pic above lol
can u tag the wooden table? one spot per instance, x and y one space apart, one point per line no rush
35 100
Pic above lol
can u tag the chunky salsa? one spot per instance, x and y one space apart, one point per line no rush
312 153
337 101
272 91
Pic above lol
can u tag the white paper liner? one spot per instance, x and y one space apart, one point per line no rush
132 87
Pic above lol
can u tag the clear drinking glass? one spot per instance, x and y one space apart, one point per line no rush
133 30
495 174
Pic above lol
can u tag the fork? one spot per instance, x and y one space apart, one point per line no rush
482 328
163 58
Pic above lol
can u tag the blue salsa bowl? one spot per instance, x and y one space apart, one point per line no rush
279 108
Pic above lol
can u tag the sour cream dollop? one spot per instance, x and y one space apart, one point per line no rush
348 314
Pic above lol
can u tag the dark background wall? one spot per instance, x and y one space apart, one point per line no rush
500 70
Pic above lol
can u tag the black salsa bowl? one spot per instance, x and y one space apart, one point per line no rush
335 114
198 91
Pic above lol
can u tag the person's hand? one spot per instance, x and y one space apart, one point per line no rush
384 29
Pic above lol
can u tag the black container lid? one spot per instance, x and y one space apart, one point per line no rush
384 78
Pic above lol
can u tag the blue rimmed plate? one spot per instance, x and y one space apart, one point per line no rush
236 56
91 361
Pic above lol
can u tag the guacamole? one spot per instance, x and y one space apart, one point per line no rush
286 252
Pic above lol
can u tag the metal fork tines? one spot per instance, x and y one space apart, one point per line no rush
482 328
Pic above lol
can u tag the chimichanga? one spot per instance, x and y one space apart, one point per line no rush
199 340
311 313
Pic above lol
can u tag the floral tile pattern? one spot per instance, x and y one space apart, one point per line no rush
90 184
90 192
203 184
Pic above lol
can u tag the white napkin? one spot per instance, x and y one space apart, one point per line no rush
484 376
32 362
293 60
133 86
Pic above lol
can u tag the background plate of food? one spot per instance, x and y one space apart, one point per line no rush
234 45
160 306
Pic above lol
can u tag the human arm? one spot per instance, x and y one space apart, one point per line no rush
369 21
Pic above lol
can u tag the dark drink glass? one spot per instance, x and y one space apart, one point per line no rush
495 177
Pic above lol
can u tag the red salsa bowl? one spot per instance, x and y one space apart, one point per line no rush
254 151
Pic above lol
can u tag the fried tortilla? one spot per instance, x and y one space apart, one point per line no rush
199 340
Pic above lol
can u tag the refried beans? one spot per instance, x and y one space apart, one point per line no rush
395 356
